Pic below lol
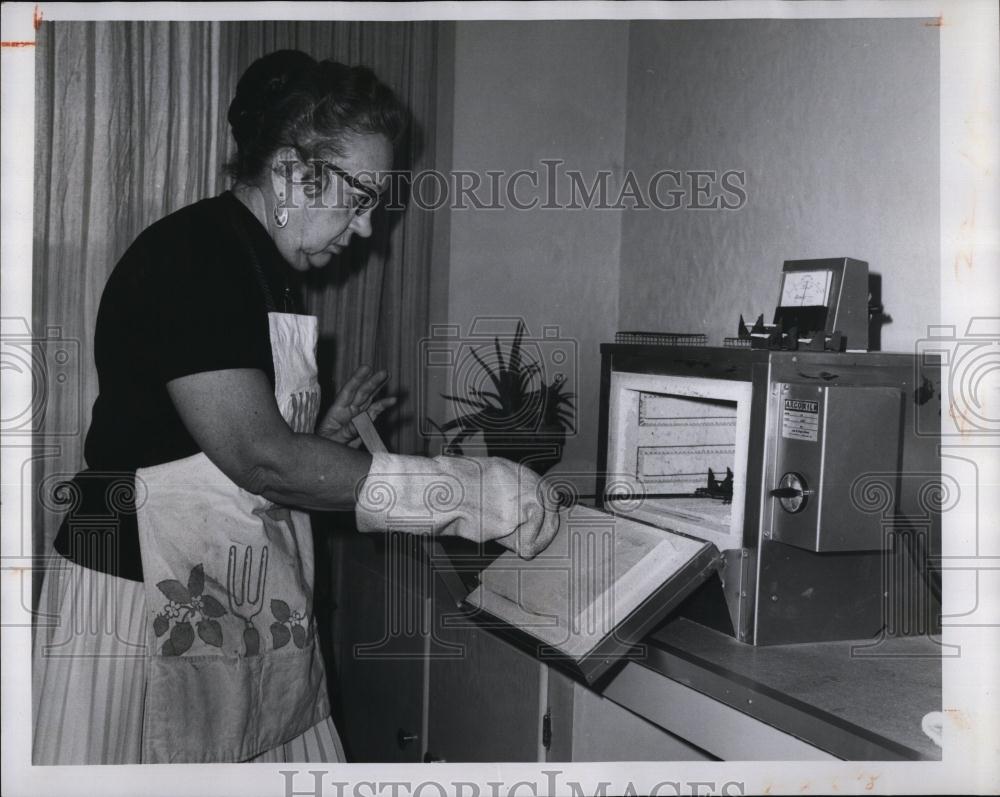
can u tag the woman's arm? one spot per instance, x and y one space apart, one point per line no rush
233 417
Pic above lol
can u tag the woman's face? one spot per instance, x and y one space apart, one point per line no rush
322 225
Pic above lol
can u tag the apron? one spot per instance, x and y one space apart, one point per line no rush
234 667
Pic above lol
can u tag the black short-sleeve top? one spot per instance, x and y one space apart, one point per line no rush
190 295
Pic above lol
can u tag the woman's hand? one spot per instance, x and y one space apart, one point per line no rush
233 417
354 398
476 498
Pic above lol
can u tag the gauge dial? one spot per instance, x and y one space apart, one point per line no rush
805 288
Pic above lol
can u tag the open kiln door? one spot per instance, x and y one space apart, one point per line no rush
586 600
596 591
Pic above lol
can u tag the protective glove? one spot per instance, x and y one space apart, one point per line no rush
477 498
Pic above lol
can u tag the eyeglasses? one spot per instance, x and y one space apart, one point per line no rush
361 203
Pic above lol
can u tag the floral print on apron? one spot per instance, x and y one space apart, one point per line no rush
234 666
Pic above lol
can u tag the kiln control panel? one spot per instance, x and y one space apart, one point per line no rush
825 439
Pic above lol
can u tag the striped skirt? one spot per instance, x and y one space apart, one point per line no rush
89 674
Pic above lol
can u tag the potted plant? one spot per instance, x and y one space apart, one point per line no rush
520 416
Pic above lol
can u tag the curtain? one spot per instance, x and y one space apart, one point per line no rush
130 126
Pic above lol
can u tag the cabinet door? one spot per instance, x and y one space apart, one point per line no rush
484 694
383 616
588 727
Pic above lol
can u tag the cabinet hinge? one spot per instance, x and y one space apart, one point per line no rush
547 730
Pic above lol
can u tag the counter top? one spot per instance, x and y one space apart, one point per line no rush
855 700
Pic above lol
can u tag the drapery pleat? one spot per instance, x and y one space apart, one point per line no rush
131 125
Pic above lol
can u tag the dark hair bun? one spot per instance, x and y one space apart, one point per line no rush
265 82
289 100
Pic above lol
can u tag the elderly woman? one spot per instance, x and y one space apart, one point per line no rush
207 417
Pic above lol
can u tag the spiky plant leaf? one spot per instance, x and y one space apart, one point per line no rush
496 346
515 349
489 372
490 395
466 401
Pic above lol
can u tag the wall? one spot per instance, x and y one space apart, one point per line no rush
835 123
525 92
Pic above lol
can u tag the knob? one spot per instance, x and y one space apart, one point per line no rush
792 493
404 739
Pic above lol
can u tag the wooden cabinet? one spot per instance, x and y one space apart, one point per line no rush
588 727
484 695
380 655
416 679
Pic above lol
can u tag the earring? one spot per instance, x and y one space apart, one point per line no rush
280 213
